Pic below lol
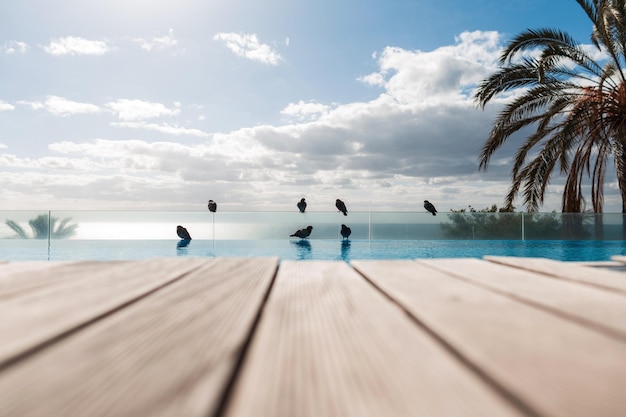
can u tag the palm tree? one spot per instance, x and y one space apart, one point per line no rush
574 104
39 226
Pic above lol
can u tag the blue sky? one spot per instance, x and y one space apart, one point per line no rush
162 105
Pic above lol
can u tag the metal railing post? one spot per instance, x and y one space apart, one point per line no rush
49 230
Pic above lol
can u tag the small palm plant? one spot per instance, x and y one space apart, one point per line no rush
40 227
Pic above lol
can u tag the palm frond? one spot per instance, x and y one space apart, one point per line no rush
535 38
20 233
63 230
573 104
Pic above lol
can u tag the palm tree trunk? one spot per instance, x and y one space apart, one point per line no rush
620 165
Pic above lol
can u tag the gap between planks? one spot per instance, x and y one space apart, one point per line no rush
330 344
171 354
553 365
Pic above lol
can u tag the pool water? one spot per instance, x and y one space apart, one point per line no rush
326 249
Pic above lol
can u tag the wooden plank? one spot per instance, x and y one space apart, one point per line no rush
19 278
602 278
329 344
619 258
555 366
602 310
171 354
602 264
7 269
36 317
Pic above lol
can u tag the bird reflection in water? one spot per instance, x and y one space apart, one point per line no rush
345 250
185 238
181 247
303 249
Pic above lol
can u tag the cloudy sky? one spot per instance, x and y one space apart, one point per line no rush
164 104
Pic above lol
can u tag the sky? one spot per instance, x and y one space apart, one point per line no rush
165 104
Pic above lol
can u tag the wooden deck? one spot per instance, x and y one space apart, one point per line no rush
257 337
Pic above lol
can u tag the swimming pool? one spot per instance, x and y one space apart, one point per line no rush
326 249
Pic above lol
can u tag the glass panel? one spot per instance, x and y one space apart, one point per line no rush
406 225
23 235
574 226
124 225
136 234
613 226
483 226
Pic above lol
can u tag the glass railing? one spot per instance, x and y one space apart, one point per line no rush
40 230
45 226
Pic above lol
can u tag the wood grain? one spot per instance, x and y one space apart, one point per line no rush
619 258
554 366
596 307
91 290
20 278
329 344
170 354
571 271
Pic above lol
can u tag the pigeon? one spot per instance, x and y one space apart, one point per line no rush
183 233
341 207
428 206
302 205
212 206
303 233
345 231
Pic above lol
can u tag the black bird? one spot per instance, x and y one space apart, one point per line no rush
301 205
345 231
212 206
183 233
303 233
341 207
428 206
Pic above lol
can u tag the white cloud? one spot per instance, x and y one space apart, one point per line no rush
14 47
3 146
392 147
72 45
6 106
158 42
248 46
305 110
60 106
437 76
162 128
47 163
35 105
375 78
135 110
476 47
595 53
419 139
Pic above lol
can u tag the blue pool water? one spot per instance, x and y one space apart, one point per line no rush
327 249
